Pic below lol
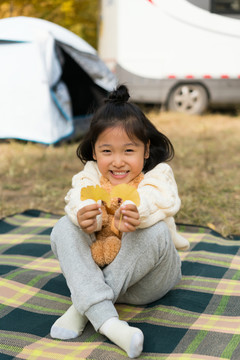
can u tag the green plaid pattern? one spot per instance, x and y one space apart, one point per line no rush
198 319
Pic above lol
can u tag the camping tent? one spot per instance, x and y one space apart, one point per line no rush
51 80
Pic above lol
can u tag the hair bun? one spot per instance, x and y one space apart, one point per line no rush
119 96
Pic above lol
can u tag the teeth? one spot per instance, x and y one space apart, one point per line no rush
119 172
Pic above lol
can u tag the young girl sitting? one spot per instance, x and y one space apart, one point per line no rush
121 147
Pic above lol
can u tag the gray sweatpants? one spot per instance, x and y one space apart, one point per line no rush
145 269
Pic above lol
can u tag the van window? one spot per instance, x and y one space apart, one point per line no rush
226 6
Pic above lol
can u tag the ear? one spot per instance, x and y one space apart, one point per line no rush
93 153
147 150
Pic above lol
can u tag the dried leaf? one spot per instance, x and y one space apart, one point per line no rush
95 193
126 192
211 226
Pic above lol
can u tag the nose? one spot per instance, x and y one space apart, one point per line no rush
118 161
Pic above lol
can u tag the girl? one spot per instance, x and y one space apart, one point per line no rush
121 146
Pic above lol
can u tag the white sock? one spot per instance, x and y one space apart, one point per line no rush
70 325
126 337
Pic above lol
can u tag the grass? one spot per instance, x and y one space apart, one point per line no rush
206 168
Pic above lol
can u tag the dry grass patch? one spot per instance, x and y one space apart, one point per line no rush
206 167
35 176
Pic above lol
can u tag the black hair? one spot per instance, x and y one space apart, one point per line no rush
117 110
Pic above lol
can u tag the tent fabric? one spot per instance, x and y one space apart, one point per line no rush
51 80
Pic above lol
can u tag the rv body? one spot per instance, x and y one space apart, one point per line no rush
229 8
172 52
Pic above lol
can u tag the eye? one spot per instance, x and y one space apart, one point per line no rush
129 150
106 151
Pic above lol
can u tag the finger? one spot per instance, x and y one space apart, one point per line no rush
87 218
89 208
88 214
91 214
129 227
132 207
130 214
88 225
131 222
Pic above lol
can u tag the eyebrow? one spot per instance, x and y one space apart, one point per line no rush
124 145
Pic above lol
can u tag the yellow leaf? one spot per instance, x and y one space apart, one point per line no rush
126 192
211 226
95 193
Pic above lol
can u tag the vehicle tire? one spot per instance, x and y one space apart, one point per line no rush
188 98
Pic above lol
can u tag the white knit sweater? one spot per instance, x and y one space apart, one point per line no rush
158 193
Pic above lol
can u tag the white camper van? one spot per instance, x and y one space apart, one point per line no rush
172 52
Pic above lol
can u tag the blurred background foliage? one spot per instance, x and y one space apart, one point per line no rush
78 16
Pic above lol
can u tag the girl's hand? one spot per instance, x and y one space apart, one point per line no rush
129 220
87 217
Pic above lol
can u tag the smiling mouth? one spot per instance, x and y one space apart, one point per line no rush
119 173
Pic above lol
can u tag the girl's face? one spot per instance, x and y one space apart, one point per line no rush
119 158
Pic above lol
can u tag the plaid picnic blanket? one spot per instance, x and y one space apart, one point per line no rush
198 319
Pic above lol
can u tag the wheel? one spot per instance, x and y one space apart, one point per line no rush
188 98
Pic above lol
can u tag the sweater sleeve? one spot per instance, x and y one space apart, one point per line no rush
88 176
158 196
